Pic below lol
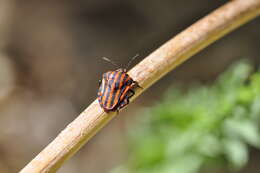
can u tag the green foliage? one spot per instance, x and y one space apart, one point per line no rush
199 128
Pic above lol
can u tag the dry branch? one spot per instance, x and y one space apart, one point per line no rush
151 69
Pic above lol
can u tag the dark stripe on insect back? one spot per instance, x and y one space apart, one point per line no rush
126 88
123 88
119 82
107 90
109 87
113 89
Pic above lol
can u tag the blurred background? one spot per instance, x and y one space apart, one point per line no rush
50 64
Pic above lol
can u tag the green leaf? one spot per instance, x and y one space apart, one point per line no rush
236 152
243 129
255 109
185 164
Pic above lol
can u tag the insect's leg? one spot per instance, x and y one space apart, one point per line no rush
105 110
131 93
137 85
124 103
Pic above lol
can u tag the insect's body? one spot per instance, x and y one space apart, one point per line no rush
115 90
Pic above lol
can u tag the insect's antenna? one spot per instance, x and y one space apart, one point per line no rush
112 62
132 59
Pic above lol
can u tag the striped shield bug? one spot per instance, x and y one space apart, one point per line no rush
116 88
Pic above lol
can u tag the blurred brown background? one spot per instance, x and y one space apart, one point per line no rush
50 63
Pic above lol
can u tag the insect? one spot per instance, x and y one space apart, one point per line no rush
116 88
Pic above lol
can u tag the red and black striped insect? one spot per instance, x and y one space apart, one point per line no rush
116 88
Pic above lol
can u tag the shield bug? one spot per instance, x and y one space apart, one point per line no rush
116 88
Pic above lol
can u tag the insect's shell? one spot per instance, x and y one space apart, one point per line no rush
114 89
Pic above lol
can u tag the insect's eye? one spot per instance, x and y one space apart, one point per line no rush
99 82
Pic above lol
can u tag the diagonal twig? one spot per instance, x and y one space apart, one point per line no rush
152 68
